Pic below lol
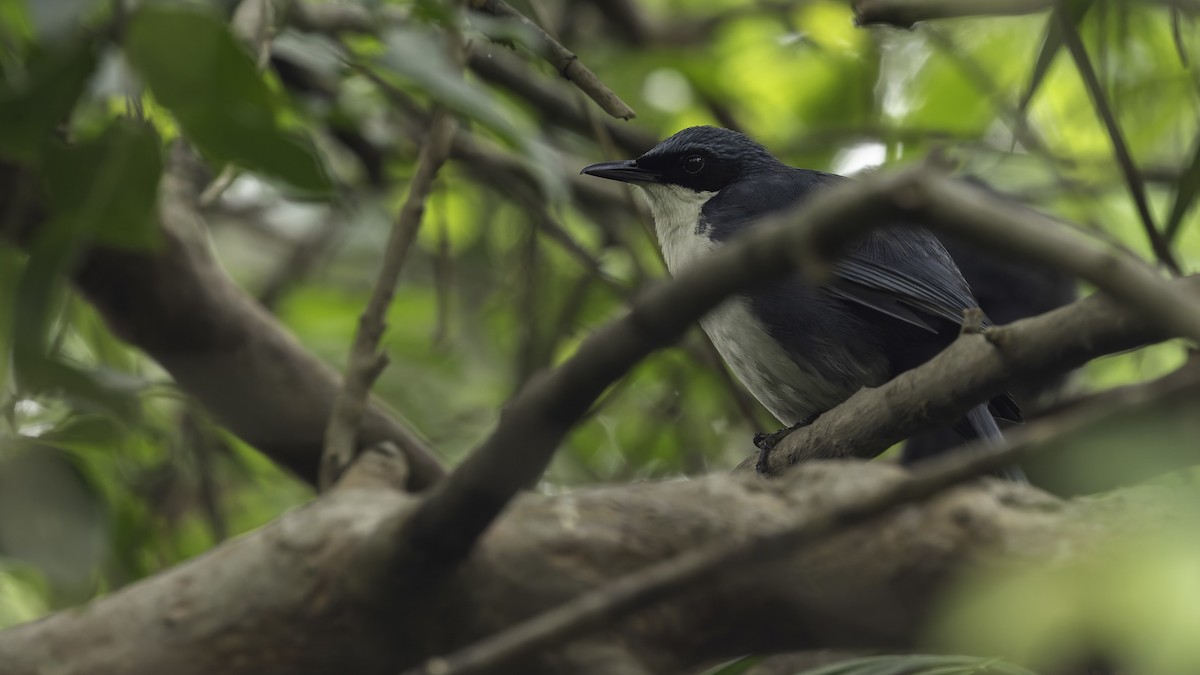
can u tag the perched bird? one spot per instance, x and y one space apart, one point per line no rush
893 301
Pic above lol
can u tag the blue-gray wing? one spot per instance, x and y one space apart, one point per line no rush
903 272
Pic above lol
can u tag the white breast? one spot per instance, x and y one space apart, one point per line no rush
788 390
676 212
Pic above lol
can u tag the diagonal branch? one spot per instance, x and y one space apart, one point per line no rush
806 238
563 60
365 361
1137 188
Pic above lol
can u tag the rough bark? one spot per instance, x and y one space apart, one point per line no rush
294 598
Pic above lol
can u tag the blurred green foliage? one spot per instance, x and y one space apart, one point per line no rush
1132 601
133 469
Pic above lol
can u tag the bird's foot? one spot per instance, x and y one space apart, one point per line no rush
767 442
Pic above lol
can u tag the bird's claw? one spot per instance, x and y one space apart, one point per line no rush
767 442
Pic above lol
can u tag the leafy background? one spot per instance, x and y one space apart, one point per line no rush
108 473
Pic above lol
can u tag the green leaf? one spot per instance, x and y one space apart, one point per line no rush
197 70
103 190
34 102
108 187
1185 193
22 594
16 26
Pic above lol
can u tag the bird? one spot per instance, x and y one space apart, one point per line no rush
894 299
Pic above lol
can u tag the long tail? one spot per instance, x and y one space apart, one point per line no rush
984 426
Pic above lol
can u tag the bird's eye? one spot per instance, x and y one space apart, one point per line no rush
693 163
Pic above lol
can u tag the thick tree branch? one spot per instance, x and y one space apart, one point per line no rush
177 305
294 581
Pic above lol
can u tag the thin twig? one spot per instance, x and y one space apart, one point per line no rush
563 60
1137 189
614 601
365 361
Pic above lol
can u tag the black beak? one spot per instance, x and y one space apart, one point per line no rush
626 171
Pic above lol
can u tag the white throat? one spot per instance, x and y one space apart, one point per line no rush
676 212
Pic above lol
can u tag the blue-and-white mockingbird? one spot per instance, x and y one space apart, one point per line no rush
893 301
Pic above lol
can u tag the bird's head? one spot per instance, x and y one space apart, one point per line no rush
681 174
698 159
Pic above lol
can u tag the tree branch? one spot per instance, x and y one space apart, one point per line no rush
177 305
563 60
1133 179
365 361
293 581
491 62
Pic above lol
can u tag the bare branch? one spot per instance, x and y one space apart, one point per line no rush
563 60
1137 189
500 67
365 361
